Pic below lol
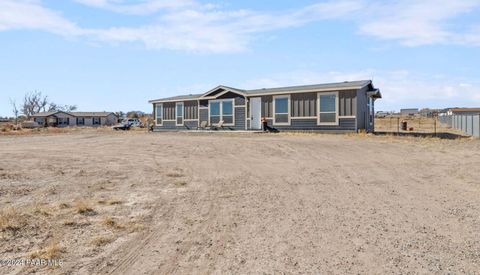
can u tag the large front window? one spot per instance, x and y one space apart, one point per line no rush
328 108
281 110
159 114
227 112
221 110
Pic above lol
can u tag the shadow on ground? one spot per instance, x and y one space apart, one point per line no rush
441 135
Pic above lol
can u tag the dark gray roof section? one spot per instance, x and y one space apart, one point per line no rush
76 114
180 97
90 114
320 87
44 114
328 86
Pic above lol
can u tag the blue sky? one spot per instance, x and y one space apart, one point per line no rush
115 55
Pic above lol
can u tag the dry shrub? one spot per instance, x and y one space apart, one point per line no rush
63 205
180 183
114 202
69 222
51 251
133 226
102 240
174 175
83 207
11 220
43 210
109 221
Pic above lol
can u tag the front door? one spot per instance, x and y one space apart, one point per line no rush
256 113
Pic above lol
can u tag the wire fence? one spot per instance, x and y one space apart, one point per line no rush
442 127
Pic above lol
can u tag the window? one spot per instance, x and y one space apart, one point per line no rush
328 108
227 112
222 110
80 121
179 113
281 110
96 121
63 121
215 112
158 114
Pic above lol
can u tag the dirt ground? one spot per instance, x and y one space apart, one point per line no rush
177 203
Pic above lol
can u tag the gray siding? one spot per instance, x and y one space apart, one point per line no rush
240 118
169 110
362 110
267 106
239 100
170 126
345 125
190 109
203 115
303 105
348 103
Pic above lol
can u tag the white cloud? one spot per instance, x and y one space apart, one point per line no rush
400 89
29 14
192 26
424 22
140 7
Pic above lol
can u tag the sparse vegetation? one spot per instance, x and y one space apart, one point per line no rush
102 240
174 175
180 183
51 251
84 207
11 220
69 222
114 202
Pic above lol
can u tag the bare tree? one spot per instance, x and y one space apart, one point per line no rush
34 103
65 108
15 110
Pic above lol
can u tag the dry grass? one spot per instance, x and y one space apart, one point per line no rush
84 207
174 175
114 202
180 183
52 251
11 220
109 221
69 222
102 240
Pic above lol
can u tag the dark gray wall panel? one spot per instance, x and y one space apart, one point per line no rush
203 115
345 124
240 118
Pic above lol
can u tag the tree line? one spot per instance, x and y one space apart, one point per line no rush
34 103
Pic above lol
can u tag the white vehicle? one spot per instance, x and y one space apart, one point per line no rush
135 122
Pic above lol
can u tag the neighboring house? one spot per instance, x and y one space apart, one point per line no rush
463 111
409 112
66 119
335 107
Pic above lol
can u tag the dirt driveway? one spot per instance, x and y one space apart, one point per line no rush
137 203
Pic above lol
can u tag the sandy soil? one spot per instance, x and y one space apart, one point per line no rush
138 203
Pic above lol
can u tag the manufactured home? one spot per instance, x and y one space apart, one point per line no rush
67 119
333 107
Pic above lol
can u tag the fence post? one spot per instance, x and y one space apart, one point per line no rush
435 125
398 126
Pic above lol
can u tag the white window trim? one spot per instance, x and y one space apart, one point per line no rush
221 110
176 115
275 113
336 109
156 105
